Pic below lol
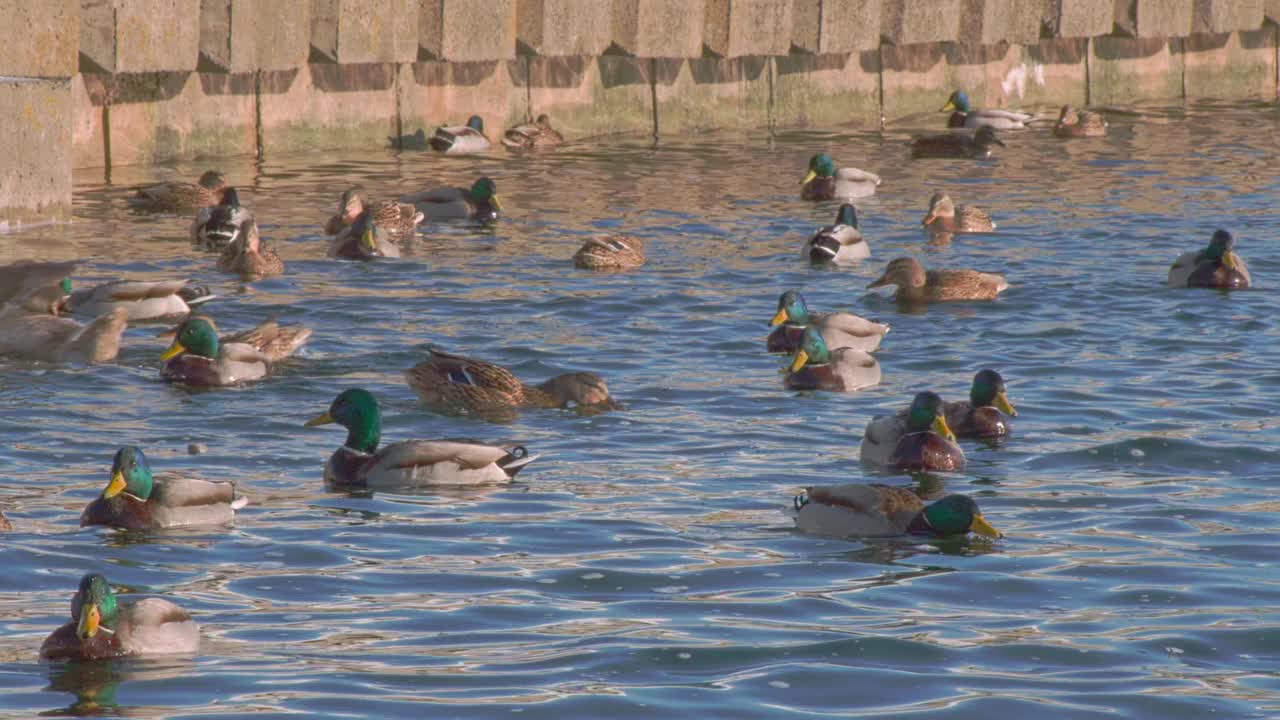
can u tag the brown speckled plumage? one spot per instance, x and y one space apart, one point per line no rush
945 216
453 383
249 256
916 285
1079 123
399 220
182 196
534 135
615 252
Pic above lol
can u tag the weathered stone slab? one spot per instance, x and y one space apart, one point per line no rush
587 97
467 30
740 28
1079 18
442 93
1223 16
564 28
824 90
328 106
1153 18
1123 70
1272 11
364 31
246 35
835 26
88 147
158 117
135 36
1231 66
659 28
41 38
987 22
910 22
35 157
712 93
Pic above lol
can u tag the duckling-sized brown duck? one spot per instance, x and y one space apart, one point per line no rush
181 197
980 416
916 285
399 220
839 329
199 357
1216 266
817 367
1079 123
919 439
945 216
857 510
363 240
134 500
249 257
456 384
534 135
614 252
974 144
103 626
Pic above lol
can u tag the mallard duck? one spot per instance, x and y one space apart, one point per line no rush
964 116
454 384
1079 123
945 216
102 626
359 462
816 367
198 357
530 136
249 257
217 226
461 139
182 196
134 500
875 510
974 144
839 330
399 220
363 240
840 243
825 182
614 252
916 285
979 416
36 286
49 338
141 300
455 203
915 439
1217 266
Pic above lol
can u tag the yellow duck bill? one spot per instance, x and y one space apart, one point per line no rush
321 419
982 527
116 486
1003 404
799 361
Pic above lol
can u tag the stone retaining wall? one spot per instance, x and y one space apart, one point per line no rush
97 83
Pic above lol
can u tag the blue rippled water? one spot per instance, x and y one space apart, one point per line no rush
643 567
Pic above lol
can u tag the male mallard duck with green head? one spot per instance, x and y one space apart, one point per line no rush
456 384
179 197
1216 266
839 330
945 216
140 299
360 463
199 357
612 252
971 144
817 367
857 510
917 286
103 626
399 220
217 226
363 240
919 439
980 416
964 116
1079 123
461 139
135 500
838 244
534 135
479 202
825 182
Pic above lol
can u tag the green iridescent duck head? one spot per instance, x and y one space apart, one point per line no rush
130 473
94 608
357 411
957 515
791 309
988 389
926 413
197 335
813 350
820 166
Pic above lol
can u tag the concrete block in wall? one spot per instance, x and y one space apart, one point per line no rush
159 117
988 22
35 153
1234 66
1223 16
836 26
467 30
659 28
593 96
133 36
560 28
738 28
1079 18
246 35
329 106
1272 11
364 31
41 38
908 22
1153 18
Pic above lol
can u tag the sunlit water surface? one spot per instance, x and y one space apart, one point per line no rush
643 566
